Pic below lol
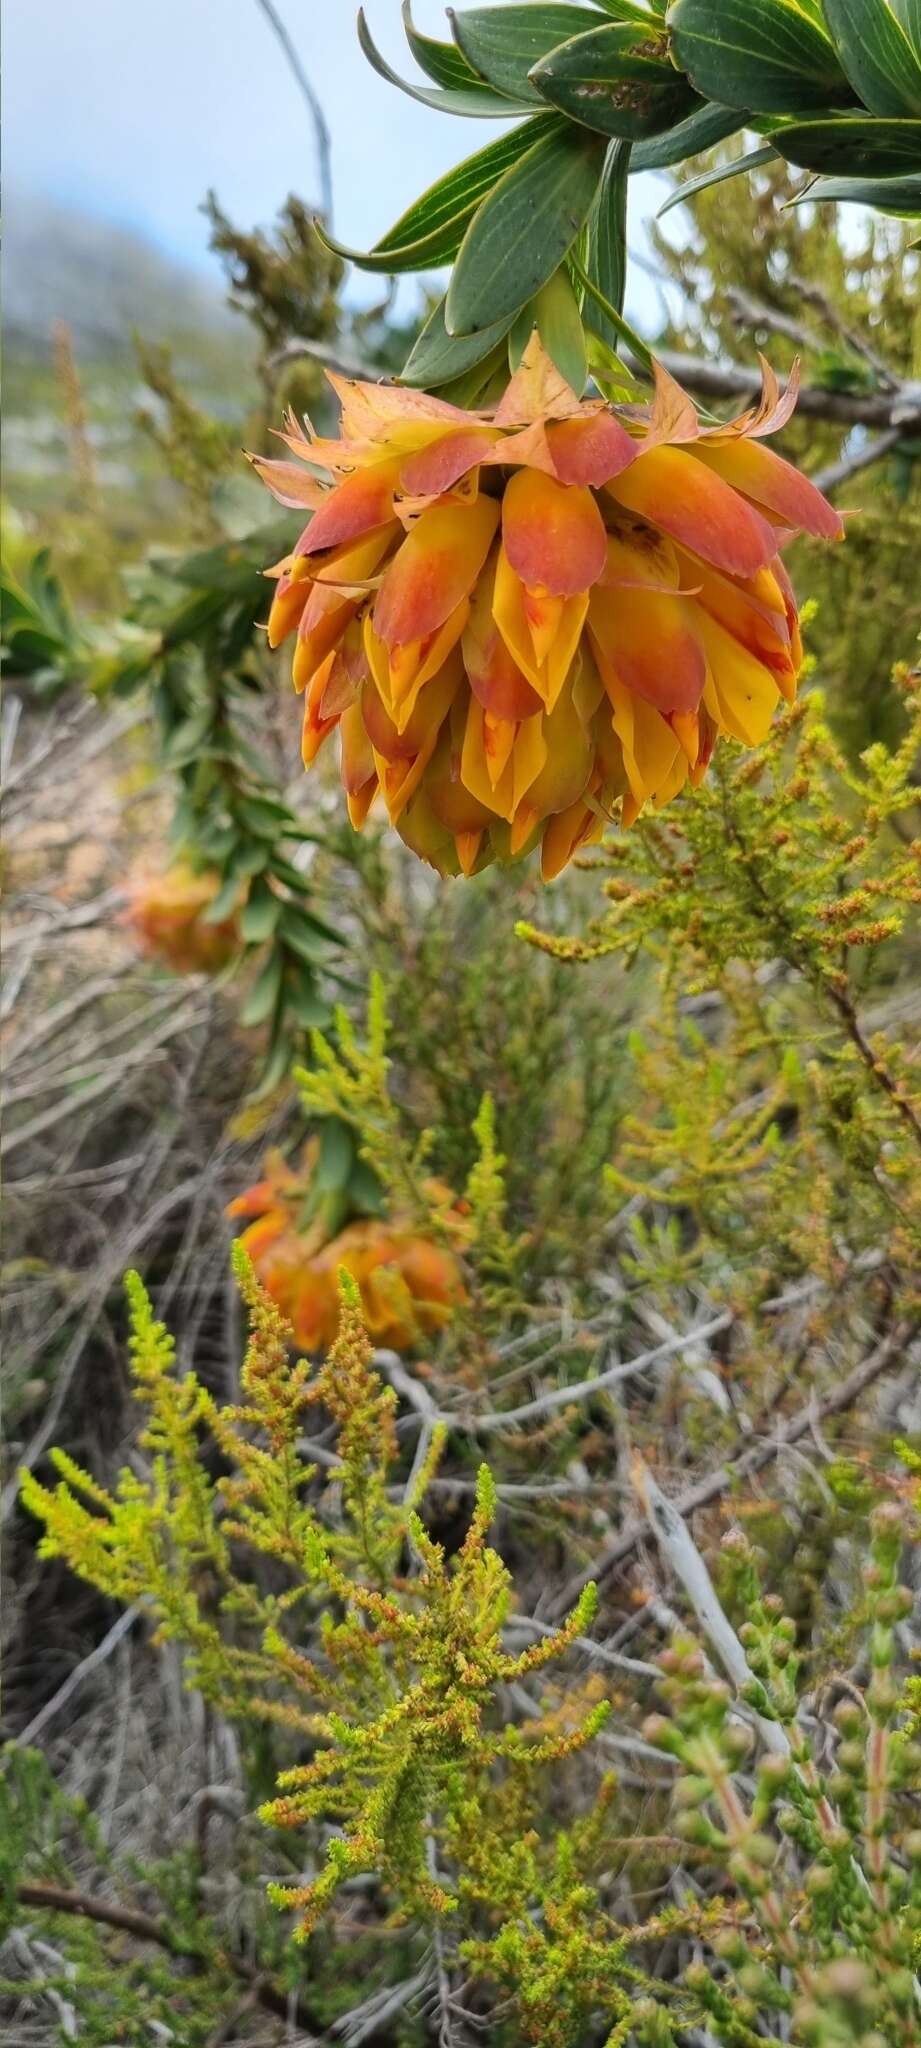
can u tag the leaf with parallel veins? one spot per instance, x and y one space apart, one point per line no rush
773 55
523 230
618 80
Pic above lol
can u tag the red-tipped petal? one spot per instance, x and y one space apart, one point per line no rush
434 469
591 450
358 503
684 498
373 410
553 533
775 484
494 675
434 570
646 638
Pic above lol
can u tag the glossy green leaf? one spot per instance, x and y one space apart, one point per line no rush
740 164
606 258
900 196
437 356
484 384
470 102
614 79
504 43
854 144
443 63
627 10
702 130
875 50
775 55
555 313
523 230
908 14
430 232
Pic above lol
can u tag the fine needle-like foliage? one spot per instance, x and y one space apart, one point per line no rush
398 1698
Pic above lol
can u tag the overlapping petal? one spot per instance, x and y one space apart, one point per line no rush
519 620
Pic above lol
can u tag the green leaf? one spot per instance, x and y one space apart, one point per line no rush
775 55
437 356
260 914
264 993
336 1156
555 313
432 229
606 260
473 102
875 50
616 79
899 196
855 144
297 934
701 130
626 10
443 63
740 164
225 902
504 43
523 230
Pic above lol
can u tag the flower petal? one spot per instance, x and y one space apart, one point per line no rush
646 635
741 694
553 533
592 450
665 486
493 674
435 568
287 482
434 469
775 484
536 391
361 501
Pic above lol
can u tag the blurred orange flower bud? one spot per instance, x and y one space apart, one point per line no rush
409 1284
167 914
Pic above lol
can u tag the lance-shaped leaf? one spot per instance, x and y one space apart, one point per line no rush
854 144
616 79
473 101
430 232
775 55
555 314
702 130
502 43
898 196
443 63
523 230
877 53
437 357
606 258
740 164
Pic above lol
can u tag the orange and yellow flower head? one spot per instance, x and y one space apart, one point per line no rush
168 915
409 1284
518 620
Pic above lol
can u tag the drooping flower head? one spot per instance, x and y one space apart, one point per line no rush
409 1284
168 915
519 619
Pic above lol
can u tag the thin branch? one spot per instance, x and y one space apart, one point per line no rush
749 1461
320 125
849 465
899 408
75 1677
679 1548
58 1898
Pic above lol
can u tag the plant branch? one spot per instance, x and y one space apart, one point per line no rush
749 1461
320 124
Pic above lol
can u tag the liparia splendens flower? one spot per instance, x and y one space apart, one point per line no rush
519 619
409 1285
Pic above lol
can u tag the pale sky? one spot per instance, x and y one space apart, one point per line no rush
132 108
